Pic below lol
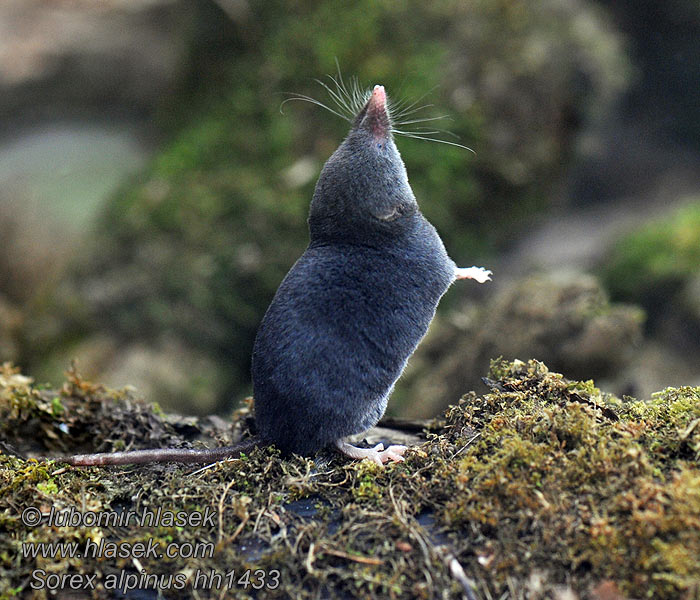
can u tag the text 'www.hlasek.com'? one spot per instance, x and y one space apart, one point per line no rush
94 546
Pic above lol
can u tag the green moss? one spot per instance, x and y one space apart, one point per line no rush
367 485
650 265
48 487
552 476
56 406
542 475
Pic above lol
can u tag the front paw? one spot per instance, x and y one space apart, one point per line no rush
478 274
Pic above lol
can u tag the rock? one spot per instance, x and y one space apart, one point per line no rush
70 56
563 318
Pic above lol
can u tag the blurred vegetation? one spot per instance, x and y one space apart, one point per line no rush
193 250
658 266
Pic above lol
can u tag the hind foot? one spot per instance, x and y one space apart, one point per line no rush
476 273
377 454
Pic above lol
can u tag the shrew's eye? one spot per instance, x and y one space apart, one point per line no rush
395 213
379 145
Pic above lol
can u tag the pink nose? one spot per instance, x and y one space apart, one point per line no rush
377 113
378 99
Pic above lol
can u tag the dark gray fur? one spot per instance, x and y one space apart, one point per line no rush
353 308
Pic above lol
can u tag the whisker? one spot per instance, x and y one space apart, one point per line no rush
317 103
400 93
336 97
360 95
341 93
424 120
349 97
402 101
340 84
421 130
342 89
438 140
406 112
417 131
419 99
398 105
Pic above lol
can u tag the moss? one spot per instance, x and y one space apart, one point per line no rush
552 476
366 483
651 265
541 478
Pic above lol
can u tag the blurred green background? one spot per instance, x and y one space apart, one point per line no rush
154 193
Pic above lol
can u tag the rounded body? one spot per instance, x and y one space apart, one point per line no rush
339 331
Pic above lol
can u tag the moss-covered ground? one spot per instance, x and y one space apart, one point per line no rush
540 488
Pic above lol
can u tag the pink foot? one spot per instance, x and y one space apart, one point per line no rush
377 454
476 273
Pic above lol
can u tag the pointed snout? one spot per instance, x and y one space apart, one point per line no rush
377 113
377 101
